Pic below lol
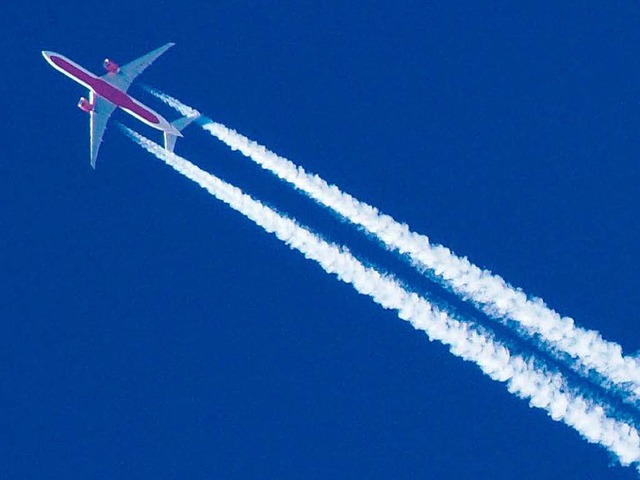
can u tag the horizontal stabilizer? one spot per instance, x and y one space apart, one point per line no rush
179 124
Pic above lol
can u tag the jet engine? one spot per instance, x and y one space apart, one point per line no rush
84 105
111 66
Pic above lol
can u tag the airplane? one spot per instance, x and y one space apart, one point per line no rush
108 92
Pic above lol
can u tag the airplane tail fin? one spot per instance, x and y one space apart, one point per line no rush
179 125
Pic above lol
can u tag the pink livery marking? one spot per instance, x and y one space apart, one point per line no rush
105 89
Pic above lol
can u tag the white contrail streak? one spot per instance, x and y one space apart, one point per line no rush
544 390
487 291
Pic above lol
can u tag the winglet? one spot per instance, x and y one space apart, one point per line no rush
179 124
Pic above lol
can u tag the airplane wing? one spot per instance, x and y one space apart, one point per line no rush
101 112
128 73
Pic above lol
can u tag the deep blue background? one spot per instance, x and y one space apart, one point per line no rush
151 332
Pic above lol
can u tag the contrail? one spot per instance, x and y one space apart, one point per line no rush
487 291
543 389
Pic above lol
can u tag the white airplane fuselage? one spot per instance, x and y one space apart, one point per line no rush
101 87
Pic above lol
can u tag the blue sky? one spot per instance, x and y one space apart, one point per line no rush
151 332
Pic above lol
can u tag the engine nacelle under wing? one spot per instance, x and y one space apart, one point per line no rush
85 105
111 66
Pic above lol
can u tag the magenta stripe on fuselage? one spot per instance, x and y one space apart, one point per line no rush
105 90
